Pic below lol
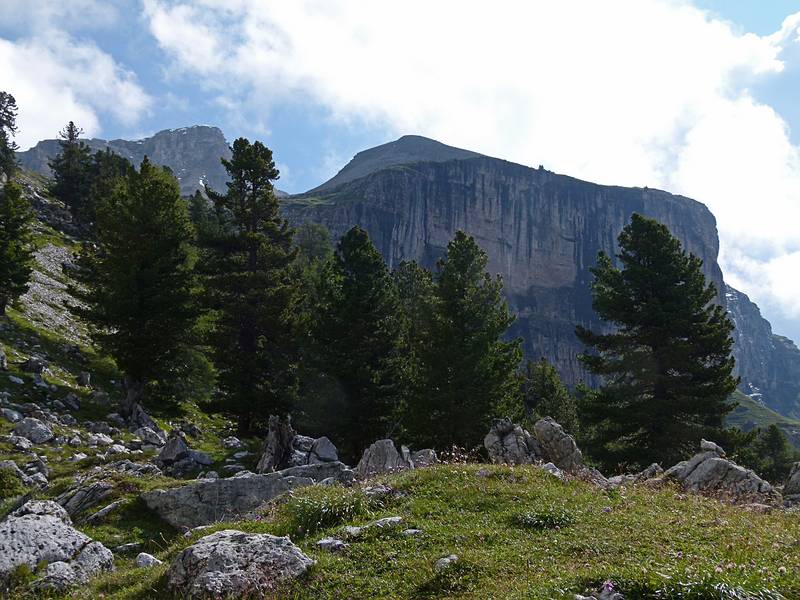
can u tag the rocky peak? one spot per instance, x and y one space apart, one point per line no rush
405 150
192 153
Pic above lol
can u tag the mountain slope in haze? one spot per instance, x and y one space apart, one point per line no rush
542 232
193 154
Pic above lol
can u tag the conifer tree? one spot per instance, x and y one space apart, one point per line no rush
545 395
252 292
470 371
71 170
16 244
8 127
138 279
667 368
357 334
106 170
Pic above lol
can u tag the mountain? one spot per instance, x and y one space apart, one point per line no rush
768 364
542 232
193 154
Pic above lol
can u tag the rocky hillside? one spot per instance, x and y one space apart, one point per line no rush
192 153
768 364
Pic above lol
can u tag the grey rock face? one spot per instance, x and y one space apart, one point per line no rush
709 472
10 415
84 496
382 457
508 443
424 458
557 445
150 436
322 450
208 500
236 564
792 485
33 430
192 153
42 532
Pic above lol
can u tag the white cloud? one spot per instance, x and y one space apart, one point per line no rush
631 92
55 78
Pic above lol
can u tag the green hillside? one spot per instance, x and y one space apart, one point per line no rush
750 414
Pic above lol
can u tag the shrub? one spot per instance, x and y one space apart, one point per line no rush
10 484
321 507
547 518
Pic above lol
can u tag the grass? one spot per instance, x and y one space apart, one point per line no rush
750 414
518 534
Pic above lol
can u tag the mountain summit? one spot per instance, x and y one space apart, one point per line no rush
403 151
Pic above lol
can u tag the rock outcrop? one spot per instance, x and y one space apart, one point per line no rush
235 564
41 533
208 500
508 443
383 457
710 472
284 448
791 489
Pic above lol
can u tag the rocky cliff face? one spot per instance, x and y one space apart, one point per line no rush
542 232
768 364
193 154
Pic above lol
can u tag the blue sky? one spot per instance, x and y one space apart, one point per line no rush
701 97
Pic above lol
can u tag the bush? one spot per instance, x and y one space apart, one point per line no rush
548 518
321 507
10 484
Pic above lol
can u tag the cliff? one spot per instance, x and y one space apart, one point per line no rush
768 364
542 232
193 154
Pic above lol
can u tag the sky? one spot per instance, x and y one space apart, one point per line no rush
696 97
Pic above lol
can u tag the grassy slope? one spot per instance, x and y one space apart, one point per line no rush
643 538
750 414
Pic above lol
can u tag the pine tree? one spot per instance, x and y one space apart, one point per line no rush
357 334
106 170
252 292
138 280
8 127
16 244
546 396
71 171
470 372
667 366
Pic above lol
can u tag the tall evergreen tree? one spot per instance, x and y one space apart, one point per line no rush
139 278
8 127
105 171
357 332
667 368
16 244
252 291
71 170
470 371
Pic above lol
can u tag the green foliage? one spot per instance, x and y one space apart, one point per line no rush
139 278
105 172
71 170
467 369
16 244
321 508
10 484
548 518
667 367
252 292
545 396
357 339
8 127
765 451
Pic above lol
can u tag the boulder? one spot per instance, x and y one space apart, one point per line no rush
84 496
41 533
792 485
558 446
174 450
99 439
71 401
231 443
445 562
11 415
84 379
382 457
508 443
206 501
709 472
232 563
424 458
154 437
278 445
143 560
139 418
322 450
34 365
331 544
34 430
